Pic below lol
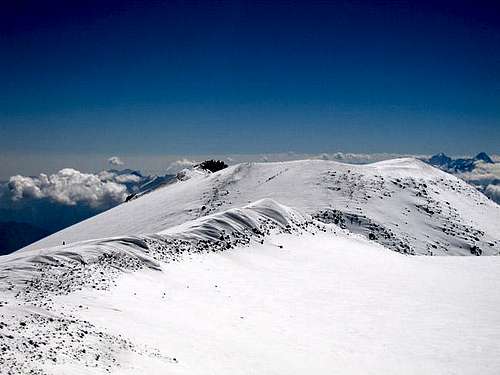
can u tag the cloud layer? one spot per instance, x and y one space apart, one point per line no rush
486 177
493 192
180 164
71 187
54 201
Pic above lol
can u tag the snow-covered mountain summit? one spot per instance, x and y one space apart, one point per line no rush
404 204
263 288
265 268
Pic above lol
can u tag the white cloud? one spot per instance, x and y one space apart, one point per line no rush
349 157
106 175
21 187
486 177
115 161
68 187
493 192
127 178
121 178
180 164
483 174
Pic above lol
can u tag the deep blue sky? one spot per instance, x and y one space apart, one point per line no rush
134 77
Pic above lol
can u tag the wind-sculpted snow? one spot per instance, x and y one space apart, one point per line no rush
424 210
95 263
259 289
36 330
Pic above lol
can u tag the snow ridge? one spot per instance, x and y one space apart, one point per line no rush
35 330
179 300
424 210
216 232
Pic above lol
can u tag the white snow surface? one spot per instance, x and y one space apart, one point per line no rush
273 268
261 289
410 206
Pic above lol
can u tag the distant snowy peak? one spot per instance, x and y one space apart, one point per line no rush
458 165
479 171
484 157
440 160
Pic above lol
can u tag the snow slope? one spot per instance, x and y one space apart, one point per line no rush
262 289
404 204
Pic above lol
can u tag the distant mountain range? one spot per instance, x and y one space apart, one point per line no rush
480 171
448 164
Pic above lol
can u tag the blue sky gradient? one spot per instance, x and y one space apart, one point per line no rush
185 77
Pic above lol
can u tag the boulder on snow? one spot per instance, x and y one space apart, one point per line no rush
212 165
